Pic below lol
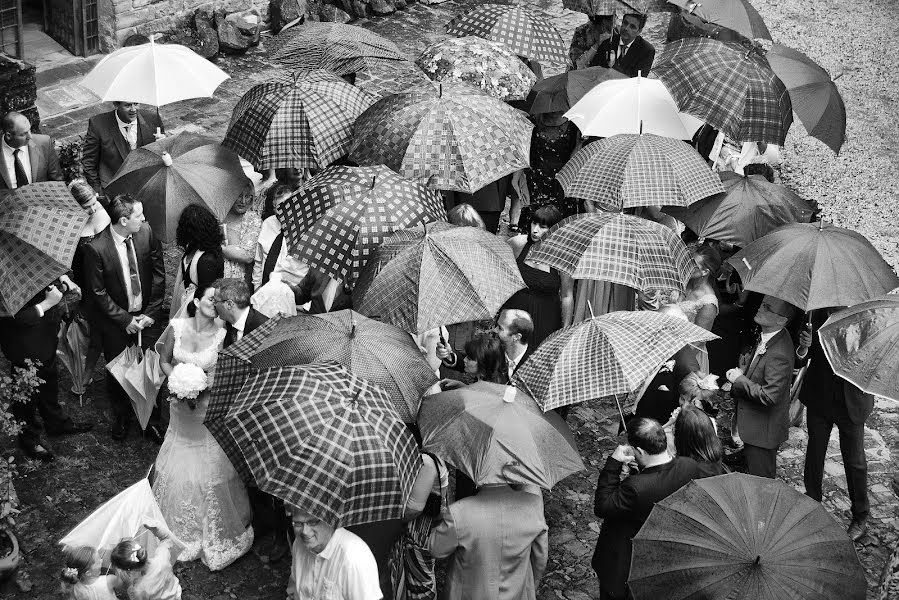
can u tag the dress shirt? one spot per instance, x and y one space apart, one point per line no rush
292 271
627 48
344 570
130 136
240 323
512 363
134 302
10 161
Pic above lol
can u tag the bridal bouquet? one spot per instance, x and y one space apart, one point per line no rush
186 381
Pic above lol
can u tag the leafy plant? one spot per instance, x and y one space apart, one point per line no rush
70 158
16 387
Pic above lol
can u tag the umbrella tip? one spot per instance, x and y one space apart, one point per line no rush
758 560
166 159
746 262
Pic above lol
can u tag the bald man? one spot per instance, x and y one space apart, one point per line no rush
25 157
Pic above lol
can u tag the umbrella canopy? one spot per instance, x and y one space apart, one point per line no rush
741 537
342 214
862 345
604 356
814 265
525 33
335 47
727 86
455 137
488 65
40 225
497 434
155 74
325 441
814 95
629 170
385 78
301 121
560 92
632 105
749 208
606 7
175 172
736 15
616 247
72 346
440 274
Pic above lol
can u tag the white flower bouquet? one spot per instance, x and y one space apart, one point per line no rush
186 382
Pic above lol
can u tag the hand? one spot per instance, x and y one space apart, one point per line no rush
623 453
146 321
134 326
54 296
443 351
450 384
733 374
72 286
805 336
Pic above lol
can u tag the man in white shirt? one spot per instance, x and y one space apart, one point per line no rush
514 328
627 52
25 157
330 563
232 303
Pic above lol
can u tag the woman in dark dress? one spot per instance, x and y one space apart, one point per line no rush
553 141
199 235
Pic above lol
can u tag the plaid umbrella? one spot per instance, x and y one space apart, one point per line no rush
604 356
454 137
342 49
814 265
525 33
488 65
727 86
736 15
304 120
497 434
616 247
325 441
40 225
440 274
749 209
383 78
177 171
342 214
606 7
561 92
630 170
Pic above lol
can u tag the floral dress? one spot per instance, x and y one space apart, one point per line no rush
551 147
247 235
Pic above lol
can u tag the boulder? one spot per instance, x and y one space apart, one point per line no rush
400 4
249 23
206 41
282 12
332 14
231 39
360 9
382 7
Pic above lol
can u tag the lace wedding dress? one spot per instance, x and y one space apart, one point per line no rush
200 494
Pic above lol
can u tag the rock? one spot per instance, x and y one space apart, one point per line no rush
332 14
282 12
359 9
383 7
231 39
206 41
400 4
249 23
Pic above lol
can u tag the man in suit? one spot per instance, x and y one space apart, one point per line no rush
762 394
514 328
125 276
624 505
111 136
627 52
25 157
232 303
831 400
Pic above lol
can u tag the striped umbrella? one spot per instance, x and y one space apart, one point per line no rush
604 356
606 7
525 33
728 86
630 170
453 136
302 121
736 15
615 247
440 274
324 440
335 223
335 47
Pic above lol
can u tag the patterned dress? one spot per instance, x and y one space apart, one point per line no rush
246 236
551 147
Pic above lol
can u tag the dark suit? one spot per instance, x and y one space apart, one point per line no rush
459 363
44 162
625 505
105 148
831 400
763 404
254 320
638 58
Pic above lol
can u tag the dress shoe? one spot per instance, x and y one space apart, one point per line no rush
37 451
857 530
154 433
119 430
71 428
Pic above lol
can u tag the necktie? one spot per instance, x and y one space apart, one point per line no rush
271 261
21 175
132 267
621 50
230 335
131 141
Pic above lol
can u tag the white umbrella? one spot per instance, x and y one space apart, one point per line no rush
154 74
633 105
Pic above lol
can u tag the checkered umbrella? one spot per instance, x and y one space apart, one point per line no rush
325 441
736 15
382 79
453 136
40 225
606 7
497 434
342 49
304 120
604 356
630 170
616 247
342 214
440 274
488 65
561 92
728 86
524 32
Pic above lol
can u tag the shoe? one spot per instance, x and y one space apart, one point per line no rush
154 433
119 430
857 530
71 428
37 451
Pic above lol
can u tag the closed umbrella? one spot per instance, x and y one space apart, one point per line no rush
335 47
72 351
560 92
736 15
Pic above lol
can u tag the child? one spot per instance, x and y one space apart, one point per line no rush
149 577
81 579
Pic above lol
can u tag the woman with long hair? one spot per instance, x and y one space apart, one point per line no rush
695 436
199 236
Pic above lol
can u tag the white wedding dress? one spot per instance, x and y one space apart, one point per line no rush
200 494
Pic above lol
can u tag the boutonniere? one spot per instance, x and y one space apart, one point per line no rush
763 347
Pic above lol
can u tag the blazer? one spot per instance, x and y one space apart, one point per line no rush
499 544
44 162
105 147
763 395
254 320
106 296
459 363
29 335
638 58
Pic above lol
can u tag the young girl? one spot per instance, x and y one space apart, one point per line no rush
149 577
81 579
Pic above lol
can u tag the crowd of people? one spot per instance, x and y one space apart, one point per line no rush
494 537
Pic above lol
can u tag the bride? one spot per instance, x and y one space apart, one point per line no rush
199 492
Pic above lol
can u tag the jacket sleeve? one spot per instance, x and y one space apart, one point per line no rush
90 158
157 292
613 496
646 60
54 171
444 538
777 375
539 554
93 273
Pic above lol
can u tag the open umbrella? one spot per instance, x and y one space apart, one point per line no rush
749 209
155 74
630 170
736 15
606 7
497 434
385 78
175 172
560 92
434 275
453 136
814 265
740 537
40 225
335 47
325 441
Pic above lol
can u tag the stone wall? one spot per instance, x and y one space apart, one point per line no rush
18 90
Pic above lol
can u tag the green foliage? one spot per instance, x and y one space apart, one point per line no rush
70 158
16 387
